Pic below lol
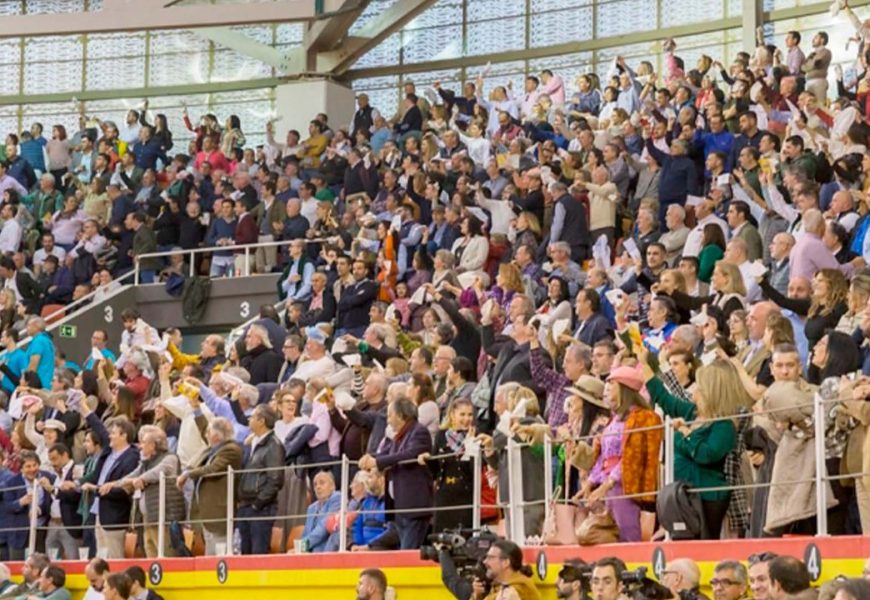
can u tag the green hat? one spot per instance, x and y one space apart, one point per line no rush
325 195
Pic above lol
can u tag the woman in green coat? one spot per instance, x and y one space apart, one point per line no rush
701 439
712 250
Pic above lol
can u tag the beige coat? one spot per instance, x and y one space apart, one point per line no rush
795 459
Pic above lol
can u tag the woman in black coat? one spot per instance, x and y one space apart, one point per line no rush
454 477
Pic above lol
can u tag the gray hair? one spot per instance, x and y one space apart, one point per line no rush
813 220
47 177
679 210
561 246
689 334
581 352
38 322
262 332
155 435
222 428
736 566
249 392
404 408
380 330
446 257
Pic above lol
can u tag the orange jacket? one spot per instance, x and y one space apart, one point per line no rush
640 454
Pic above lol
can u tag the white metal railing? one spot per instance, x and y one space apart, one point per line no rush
515 506
246 251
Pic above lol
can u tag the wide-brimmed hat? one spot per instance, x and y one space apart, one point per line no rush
590 389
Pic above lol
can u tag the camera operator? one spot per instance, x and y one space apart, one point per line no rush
606 580
459 586
683 578
511 580
573 580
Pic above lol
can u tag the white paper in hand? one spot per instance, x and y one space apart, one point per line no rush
694 200
614 296
352 360
707 358
630 246
756 269
601 252
96 355
723 179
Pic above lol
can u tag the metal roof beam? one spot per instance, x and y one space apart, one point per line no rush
124 15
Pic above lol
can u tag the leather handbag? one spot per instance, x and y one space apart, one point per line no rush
597 528
131 537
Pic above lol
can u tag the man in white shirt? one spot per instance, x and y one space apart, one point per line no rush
96 573
48 249
10 235
315 362
63 492
130 131
704 214
737 253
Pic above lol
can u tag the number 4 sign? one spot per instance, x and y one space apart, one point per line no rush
813 561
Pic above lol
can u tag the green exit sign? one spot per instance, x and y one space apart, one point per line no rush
67 331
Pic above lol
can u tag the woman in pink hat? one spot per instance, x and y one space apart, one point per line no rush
627 463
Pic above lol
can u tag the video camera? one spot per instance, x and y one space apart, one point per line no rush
640 587
467 548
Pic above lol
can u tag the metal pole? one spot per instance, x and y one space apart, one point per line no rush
161 515
548 471
231 501
34 515
342 511
478 484
192 263
136 273
247 266
821 488
515 495
669 450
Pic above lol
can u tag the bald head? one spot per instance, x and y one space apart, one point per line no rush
781 245
814 222
842 202
799 287
687 572
756 321
736 252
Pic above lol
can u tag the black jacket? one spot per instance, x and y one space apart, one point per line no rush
28 289
263 364
115 506
319 315
356 300
257 487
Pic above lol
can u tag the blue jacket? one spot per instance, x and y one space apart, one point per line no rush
31 151
22 171
679 177
115 506
147 154
370 526
16 516
315 522
221 229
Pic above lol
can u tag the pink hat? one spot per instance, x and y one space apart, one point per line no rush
627 376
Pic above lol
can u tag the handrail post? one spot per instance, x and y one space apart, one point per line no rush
161 515
548 471
231 493
478 484
192 262
342 511
821 469
136 273
247 270
34 515
515 494
669 450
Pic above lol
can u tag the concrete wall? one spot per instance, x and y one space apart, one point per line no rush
297 103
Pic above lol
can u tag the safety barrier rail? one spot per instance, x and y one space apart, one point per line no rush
515 506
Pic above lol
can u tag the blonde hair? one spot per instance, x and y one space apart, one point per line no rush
679 279
721 391
520 393
838 292
513 279
735 279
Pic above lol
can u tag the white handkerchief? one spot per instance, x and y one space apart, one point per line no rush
631 247
694 200
756 269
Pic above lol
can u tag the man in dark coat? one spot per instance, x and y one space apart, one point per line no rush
356 300
112 504
20 492
410 482
261 361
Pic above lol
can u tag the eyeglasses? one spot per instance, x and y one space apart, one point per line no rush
723 582
494 556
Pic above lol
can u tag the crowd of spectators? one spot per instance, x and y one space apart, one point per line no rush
486 269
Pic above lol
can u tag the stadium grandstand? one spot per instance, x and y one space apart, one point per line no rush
475 299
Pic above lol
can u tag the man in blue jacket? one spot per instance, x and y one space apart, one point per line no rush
356 300
410 483
679 177
327 502
112 505
21 493
148 149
